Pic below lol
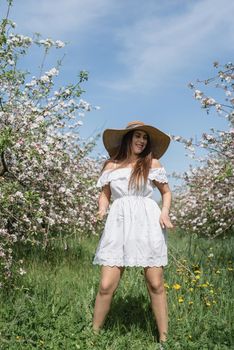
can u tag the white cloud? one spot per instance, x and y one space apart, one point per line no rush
60 18
157 48
150 43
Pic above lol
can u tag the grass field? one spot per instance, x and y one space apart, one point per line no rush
53 309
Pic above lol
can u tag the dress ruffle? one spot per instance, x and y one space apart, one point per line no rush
110 174
131 262
157 174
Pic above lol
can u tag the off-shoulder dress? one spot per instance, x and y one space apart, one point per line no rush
132 235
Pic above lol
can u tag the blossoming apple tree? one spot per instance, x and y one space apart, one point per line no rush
46 174
204 203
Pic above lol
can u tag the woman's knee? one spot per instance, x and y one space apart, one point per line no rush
107 287
154 279
110 279
156 286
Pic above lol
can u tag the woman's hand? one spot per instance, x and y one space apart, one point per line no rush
165 219
101 213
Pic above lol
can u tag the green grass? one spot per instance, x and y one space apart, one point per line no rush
54 307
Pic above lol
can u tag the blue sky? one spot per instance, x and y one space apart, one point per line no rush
140 56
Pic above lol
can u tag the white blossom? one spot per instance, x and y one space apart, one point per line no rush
45 79
198 94
11 62
59 43
22 271
52 72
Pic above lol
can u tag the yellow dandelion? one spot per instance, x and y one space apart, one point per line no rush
166 285
197 277
204 285
176 286
208 303
180 299
211 291
189 336
190 302
230 269
191 289
197 271
195 268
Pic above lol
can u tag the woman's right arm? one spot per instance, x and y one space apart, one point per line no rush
104 197
104 201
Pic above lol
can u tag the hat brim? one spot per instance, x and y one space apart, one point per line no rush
159 140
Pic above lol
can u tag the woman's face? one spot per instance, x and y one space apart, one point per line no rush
139 141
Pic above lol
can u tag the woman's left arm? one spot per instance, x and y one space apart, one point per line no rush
166 204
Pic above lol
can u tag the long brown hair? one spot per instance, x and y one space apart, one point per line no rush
122 157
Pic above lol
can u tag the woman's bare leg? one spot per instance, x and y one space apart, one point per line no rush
155 286
110 277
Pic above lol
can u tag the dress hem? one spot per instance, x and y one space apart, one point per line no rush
111 264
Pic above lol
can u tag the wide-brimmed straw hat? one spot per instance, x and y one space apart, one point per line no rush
159 140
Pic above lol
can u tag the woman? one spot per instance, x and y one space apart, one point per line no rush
135 229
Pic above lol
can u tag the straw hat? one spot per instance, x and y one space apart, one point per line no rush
159 140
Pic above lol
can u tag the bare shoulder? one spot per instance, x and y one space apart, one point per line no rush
109 166
155 163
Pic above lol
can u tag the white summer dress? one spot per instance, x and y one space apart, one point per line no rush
132 234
